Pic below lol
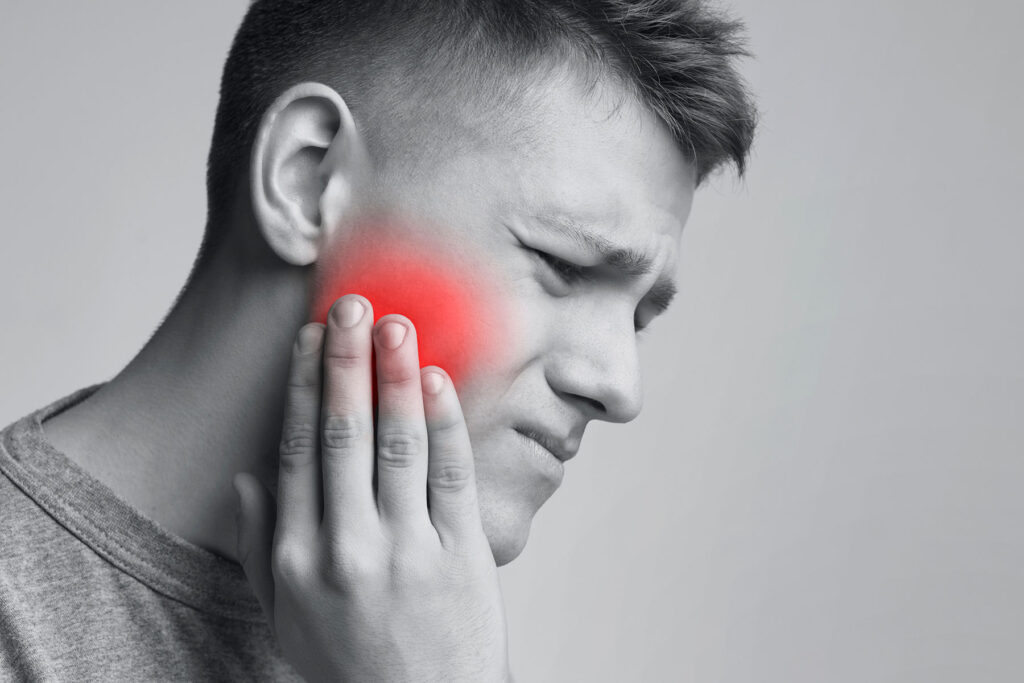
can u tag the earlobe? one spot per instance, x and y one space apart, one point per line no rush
305 159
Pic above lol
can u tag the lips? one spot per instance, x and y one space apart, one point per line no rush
563 449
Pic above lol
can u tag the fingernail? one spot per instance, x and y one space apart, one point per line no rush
392 335
310 337
348 312
433 382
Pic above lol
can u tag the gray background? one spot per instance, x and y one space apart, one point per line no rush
825 483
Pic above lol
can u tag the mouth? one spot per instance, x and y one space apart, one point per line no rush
543 458
560 450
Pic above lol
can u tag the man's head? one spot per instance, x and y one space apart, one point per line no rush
544 152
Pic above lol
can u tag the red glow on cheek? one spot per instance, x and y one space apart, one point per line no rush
459 311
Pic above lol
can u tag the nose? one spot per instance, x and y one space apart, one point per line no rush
600 369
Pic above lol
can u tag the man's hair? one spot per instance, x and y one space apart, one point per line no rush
398 63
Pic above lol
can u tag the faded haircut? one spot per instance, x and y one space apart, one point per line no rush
399 62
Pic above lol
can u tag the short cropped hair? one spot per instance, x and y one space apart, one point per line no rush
399 61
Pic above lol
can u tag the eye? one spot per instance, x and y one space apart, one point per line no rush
569 273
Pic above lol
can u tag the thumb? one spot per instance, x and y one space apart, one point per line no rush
255 520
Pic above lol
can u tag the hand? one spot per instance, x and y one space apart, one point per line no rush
372 585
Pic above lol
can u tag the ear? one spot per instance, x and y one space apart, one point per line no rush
306 160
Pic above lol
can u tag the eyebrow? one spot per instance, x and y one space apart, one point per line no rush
629 261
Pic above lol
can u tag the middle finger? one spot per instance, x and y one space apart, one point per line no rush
401 429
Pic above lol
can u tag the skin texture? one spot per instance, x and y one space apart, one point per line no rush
598 159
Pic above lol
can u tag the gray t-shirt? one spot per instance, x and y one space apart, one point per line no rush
91 590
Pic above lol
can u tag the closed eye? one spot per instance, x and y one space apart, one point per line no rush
569 273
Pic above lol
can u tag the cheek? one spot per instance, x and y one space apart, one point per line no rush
461 313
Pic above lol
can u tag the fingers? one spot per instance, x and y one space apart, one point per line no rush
298 489
401 433
255 522
347 440
451 475
418 414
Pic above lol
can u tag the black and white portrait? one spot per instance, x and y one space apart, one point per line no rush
511 340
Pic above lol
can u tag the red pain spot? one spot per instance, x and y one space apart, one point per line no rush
444 289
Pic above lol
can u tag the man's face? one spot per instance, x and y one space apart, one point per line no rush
601 173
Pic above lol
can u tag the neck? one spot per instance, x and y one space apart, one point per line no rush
202 400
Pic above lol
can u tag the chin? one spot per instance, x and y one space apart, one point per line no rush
506 523
510 491
506 542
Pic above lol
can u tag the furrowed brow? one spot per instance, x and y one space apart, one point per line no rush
630 261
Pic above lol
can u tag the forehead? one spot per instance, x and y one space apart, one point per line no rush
604 158
594 156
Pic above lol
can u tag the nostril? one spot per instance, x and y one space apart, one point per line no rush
592 403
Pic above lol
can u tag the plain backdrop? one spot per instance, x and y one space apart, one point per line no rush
825 484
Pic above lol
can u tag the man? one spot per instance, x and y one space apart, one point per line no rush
495 190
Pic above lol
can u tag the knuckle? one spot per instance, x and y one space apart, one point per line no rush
400 379
399 449
301 380
288 562
344 360
447 427
348 565
452 476
298 441
343 432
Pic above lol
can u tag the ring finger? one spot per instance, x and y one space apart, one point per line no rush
347 417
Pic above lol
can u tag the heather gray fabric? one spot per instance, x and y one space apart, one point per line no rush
91 590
